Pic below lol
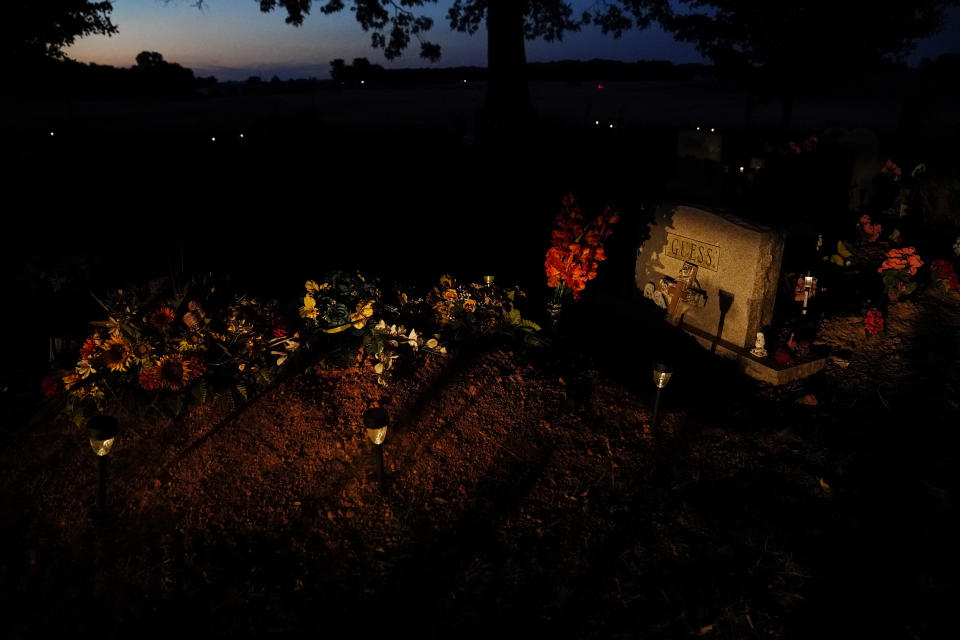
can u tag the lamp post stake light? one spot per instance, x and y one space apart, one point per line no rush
375 420
103 432
661 376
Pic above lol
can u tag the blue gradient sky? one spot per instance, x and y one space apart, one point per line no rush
232 40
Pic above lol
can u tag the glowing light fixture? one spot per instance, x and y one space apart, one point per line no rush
712 129
241 136
488 279
741 169
809 284
103 432
375 420
213 139
661 376
51 134
596 122
698 128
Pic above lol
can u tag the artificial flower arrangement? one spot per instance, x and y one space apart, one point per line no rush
891 171
576 248
158 350
352 305
873 322
944 275
470 311
808 145
899 266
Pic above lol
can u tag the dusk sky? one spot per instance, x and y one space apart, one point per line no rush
232 40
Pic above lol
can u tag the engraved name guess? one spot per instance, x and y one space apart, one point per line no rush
689 250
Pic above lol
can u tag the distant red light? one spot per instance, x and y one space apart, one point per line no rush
600 86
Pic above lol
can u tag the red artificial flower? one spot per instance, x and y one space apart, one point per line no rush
90 346
943 270
874 322
871 230
890 170
195 367
150 378
161 317
905 259
51 386
280 329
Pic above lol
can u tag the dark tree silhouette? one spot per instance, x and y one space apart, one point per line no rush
155 76
34 30
780 49
150 60
509 23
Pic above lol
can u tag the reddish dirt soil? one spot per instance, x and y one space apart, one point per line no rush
526 493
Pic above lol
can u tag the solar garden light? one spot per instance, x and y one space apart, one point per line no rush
809 284
103 432
661 376
376 420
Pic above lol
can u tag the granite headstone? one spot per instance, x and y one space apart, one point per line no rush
738 267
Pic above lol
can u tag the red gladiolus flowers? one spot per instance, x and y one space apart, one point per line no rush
577 247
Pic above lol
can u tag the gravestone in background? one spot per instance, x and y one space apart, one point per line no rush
701 144
863 146
738 270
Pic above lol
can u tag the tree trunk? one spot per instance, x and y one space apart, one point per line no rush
507 108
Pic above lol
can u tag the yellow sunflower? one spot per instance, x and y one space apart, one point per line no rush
116 353
142 351
174 372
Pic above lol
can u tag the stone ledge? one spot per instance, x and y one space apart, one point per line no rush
762 369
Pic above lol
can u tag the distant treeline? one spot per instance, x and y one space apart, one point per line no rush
153 77
575 71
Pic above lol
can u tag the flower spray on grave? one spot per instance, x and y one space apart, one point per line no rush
158 351
352 307
475 311
899 266
576 251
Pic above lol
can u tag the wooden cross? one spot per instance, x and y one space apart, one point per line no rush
676 294
677 291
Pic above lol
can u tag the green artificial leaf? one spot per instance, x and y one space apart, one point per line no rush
200 391
529 325
510 294
242 390
513 317
175 403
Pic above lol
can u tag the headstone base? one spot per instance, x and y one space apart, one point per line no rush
762 369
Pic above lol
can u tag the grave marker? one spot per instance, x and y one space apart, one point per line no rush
726 254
